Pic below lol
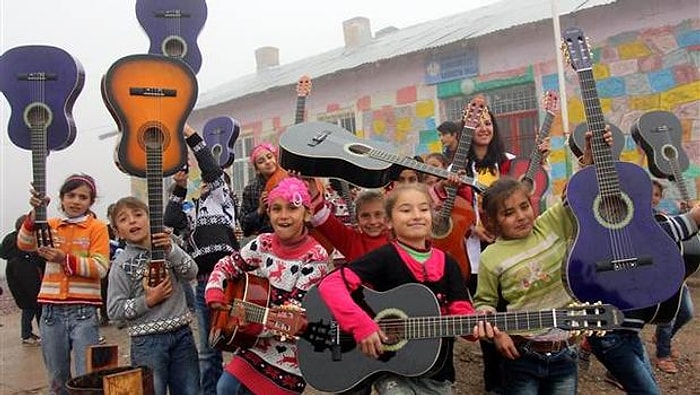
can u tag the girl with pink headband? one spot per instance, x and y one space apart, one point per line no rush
254 217
76 250
292 261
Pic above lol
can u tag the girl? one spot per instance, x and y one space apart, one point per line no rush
253 214
523 267
292 261
408 259
70 288
435 159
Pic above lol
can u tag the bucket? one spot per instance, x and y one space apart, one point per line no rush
91 384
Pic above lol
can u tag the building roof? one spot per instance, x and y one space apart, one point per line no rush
478 22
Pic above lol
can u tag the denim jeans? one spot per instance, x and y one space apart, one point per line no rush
665 332
624 355
210 360
534 373
173 358
27 317
66 327
229 385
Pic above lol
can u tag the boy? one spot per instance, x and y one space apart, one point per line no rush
157 317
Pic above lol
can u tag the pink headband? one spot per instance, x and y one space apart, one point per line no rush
258 148
292 190
86 180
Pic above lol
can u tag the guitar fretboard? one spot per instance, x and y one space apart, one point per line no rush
536 155
154 181
39 153
301 109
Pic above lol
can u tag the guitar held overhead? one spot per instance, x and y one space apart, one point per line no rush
409 315
620 254
220 134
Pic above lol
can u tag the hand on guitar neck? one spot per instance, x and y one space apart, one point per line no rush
587 158
157 294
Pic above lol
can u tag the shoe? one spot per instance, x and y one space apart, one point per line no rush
610 379
667 365
37 337
31 342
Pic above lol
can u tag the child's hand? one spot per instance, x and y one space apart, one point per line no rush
483 330
180 178
262 203
188 130
37 200
163 241
544 147
51 254
373 345
483 234
504 345
157 294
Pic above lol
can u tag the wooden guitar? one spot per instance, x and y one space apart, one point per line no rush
409 315
321 149
151 96
250 297
577 140
456 216
41 84
530 170
220 134
172 27
658 133
620 254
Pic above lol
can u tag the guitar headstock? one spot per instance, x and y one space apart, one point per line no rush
286 321
473 111
550 102
577 50
595 317
304 86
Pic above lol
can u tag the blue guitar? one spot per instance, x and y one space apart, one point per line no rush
173 27
220 134
620 255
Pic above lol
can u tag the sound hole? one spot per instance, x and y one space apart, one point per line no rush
216 151
441 225
613 210
174 47
153 137
669 152
37 116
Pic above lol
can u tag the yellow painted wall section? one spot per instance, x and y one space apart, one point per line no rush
576 114
679 95
425 109
644 103
600 71
631 50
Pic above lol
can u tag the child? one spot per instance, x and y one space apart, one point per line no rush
408 259
157 317
70 288
253 214
435 159
292 262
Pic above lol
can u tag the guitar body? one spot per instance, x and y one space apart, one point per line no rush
41 84
659 134
650 268
452 239
225 334
320 149
220 134
151 97
173 27
540 180
577 140
414 358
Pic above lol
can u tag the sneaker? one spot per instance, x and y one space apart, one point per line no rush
31 342
610 379
667 365
33 336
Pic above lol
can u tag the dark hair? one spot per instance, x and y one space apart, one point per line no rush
495 153
75 181
494 196
449 127
123 203
658 184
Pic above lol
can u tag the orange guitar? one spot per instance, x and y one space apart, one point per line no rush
456 217
150 97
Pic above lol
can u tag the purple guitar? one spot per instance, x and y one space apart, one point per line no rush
173 27
220 134
41 84
620 254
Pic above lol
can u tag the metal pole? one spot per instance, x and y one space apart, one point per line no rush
560 73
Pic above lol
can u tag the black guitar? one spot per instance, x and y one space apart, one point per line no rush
577 140
321 149
409 315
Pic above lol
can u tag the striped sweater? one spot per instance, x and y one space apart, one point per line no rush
77 280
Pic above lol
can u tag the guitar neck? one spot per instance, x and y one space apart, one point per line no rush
460 325
301 109
154 181
39 153
536 155
602 154
459 162
347 197
253 313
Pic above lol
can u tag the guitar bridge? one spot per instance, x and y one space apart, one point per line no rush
623 264
160 92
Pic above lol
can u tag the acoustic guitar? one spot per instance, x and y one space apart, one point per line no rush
409 315
41 84
620 254
322 149
530 170
456 216
658 133
220 134
151 96
577 140
172 27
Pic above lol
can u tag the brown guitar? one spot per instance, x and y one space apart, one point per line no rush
150 97
248 299
457 215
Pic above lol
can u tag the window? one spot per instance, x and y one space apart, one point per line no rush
345 120
516 110
243 170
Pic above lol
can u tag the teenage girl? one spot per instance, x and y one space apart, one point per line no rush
254 217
